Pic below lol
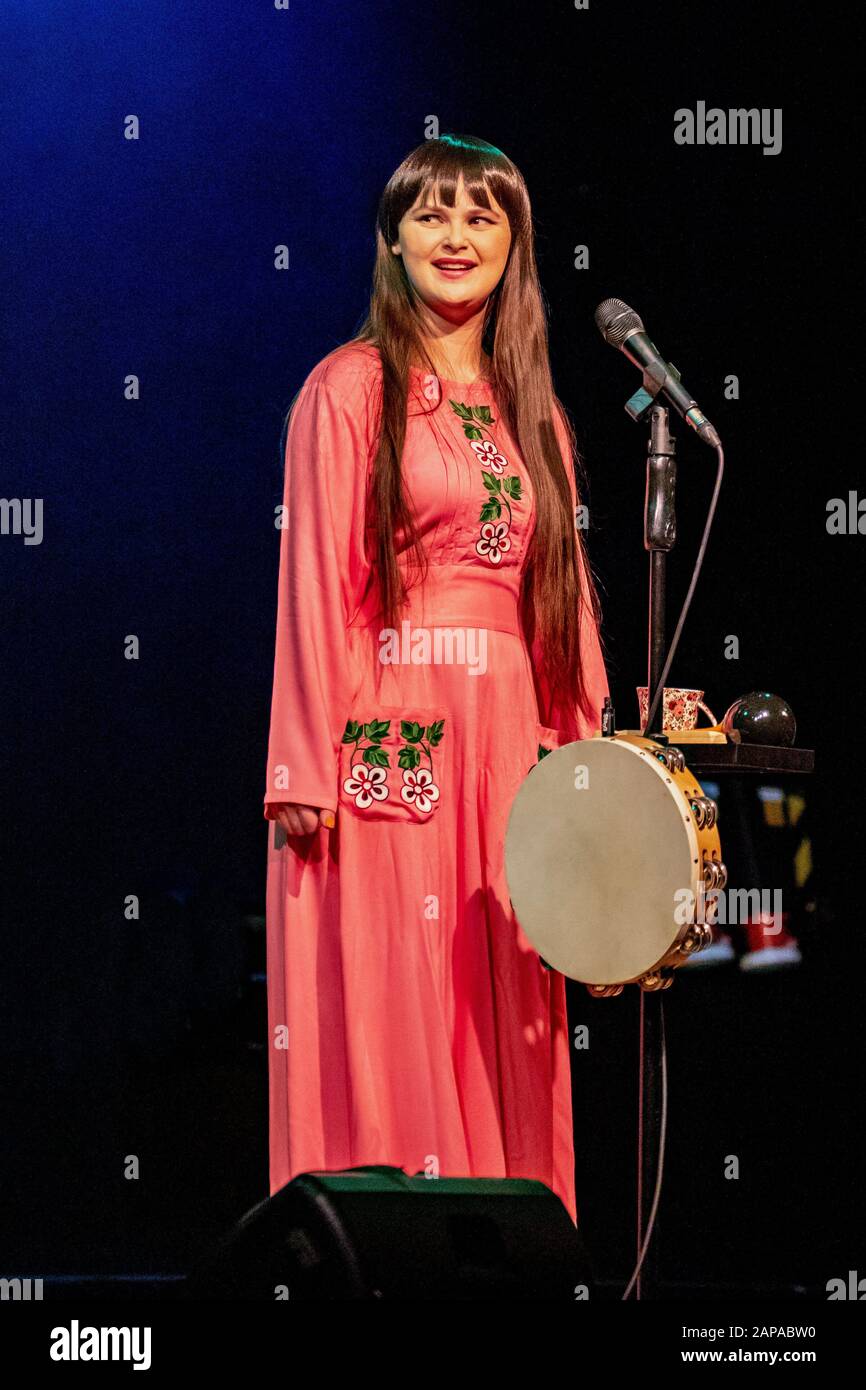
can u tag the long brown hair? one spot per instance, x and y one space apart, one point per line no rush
515 338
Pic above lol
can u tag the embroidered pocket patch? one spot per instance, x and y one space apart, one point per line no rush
390 764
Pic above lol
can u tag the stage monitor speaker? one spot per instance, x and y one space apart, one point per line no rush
375 1232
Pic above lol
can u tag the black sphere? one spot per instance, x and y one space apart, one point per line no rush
761 717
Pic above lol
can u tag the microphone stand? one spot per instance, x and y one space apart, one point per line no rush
660 533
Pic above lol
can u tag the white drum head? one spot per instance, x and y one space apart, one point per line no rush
599 843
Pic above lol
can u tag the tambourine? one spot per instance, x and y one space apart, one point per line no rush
613 862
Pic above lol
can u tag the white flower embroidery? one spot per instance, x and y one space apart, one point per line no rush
419 788
366 785
489 455
494 541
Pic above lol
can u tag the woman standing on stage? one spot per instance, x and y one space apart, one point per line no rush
437 625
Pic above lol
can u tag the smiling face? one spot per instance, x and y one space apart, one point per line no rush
454 257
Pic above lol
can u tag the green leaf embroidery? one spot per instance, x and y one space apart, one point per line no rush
434 732
377 728
502 487
412 733
374 731
376 757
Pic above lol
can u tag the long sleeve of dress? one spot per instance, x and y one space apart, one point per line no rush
567 720
322 572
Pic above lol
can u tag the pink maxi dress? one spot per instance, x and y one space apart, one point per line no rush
411 1023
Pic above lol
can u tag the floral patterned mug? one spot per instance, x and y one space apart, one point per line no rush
680 708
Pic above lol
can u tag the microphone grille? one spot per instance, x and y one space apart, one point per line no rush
616 320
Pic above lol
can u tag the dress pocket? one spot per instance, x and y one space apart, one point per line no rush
391 763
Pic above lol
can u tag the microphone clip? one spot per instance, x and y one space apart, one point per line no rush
653 380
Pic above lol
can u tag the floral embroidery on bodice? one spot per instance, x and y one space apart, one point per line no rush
477 421
493 514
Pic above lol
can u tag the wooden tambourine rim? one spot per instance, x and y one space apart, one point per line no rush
644 946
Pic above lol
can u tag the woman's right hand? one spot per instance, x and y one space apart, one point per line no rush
301 820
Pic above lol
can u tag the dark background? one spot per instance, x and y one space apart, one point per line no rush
155 257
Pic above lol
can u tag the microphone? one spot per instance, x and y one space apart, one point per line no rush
622 328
